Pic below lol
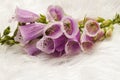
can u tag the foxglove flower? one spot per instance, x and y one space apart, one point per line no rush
19 38
55 13
53 30
92 28
70 27
72 47
86 42
60 43
31 49
100 35
25 16
46 45
76 38
31 31
58 53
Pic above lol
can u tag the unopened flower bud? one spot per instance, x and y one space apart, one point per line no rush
106 23
6 31
108 32
100 19
100 36
111 26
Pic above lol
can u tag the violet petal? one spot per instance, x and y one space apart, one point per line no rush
72 47
55 13
76 38
53 30
70 27
46 45
31 31
25 16
58 53
31 49
60 43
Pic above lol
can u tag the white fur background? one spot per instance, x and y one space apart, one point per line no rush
102 63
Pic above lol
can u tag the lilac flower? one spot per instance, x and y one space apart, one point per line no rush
53 30
86 42
31 31
25 16
72 47
70 27
31 49
46 45
91 28
55 13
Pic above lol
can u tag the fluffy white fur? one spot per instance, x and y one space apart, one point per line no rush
102 63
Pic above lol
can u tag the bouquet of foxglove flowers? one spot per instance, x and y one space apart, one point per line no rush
57 33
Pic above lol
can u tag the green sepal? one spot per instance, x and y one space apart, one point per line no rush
42 19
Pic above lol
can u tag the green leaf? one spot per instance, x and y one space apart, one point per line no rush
10 42
4 39
15 32
6 31
0 37
116 19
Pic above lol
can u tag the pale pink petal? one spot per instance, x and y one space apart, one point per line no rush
92 28
55 13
